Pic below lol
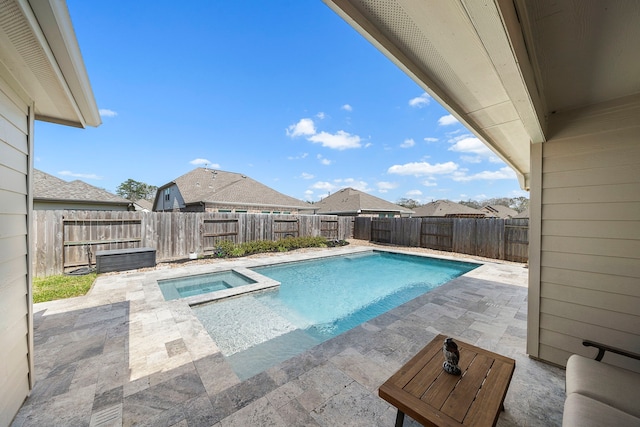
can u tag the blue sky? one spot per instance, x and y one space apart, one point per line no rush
283 91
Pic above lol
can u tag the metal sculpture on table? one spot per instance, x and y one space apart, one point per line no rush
451 357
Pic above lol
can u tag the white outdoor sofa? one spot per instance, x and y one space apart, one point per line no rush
599 394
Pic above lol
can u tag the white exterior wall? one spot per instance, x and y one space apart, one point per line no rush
16 339
585 270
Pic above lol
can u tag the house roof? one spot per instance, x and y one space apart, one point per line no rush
216 186
144 204
499 211
513 72
40 58
444 208
352 201
50 188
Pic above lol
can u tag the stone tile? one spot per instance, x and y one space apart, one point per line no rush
294 414
107 399
155 401
284 394
259 413
216 374
365 371
353 406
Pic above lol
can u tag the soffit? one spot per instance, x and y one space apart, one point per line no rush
584 52
40 57
460 52
504 66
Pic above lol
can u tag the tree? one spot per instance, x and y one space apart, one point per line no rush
407 203
136 190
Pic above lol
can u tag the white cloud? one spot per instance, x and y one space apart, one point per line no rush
80 175
105 112
321 115
303 127
447 120
431 139
305 175
423 168
324 186
347 107
420 101
503 173
429 183
204 162
469 144
414 193
301 156
338 141
323 160
409 142
384 186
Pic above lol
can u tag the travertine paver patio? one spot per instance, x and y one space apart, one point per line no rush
123 356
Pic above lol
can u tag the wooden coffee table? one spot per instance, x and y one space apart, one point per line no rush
424 391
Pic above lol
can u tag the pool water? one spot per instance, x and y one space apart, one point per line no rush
195 285
317 300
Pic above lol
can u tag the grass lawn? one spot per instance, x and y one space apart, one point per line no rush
61 286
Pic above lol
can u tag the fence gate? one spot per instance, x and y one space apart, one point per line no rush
329 228
283 228
437 233
217 230
381 230
516 239
83 237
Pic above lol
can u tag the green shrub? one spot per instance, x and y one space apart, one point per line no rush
227 248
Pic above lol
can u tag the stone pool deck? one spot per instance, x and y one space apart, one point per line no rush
122 355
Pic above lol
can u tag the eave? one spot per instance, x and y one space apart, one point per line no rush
41 60
468 55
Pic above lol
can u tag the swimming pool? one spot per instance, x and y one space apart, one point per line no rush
317 300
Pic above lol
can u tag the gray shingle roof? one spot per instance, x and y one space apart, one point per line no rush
499 211
444 208
349 200
49 187
215 186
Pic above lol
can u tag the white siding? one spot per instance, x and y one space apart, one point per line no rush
589 286
15 305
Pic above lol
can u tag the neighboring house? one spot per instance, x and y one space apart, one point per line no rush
143 205
52 193
552 88
499 211
523 214
42 77
351 202
209 190
448 209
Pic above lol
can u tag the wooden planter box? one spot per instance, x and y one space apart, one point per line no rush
125 259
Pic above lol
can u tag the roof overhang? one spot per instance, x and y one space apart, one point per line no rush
502 67
41 60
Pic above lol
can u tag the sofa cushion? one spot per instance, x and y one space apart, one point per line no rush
582 411
611 385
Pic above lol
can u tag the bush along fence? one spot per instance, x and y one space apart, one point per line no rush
506 239
68 239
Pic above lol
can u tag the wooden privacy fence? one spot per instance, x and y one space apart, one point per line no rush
66 239
506 239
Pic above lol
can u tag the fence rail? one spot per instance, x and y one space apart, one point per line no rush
62 239
506 239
